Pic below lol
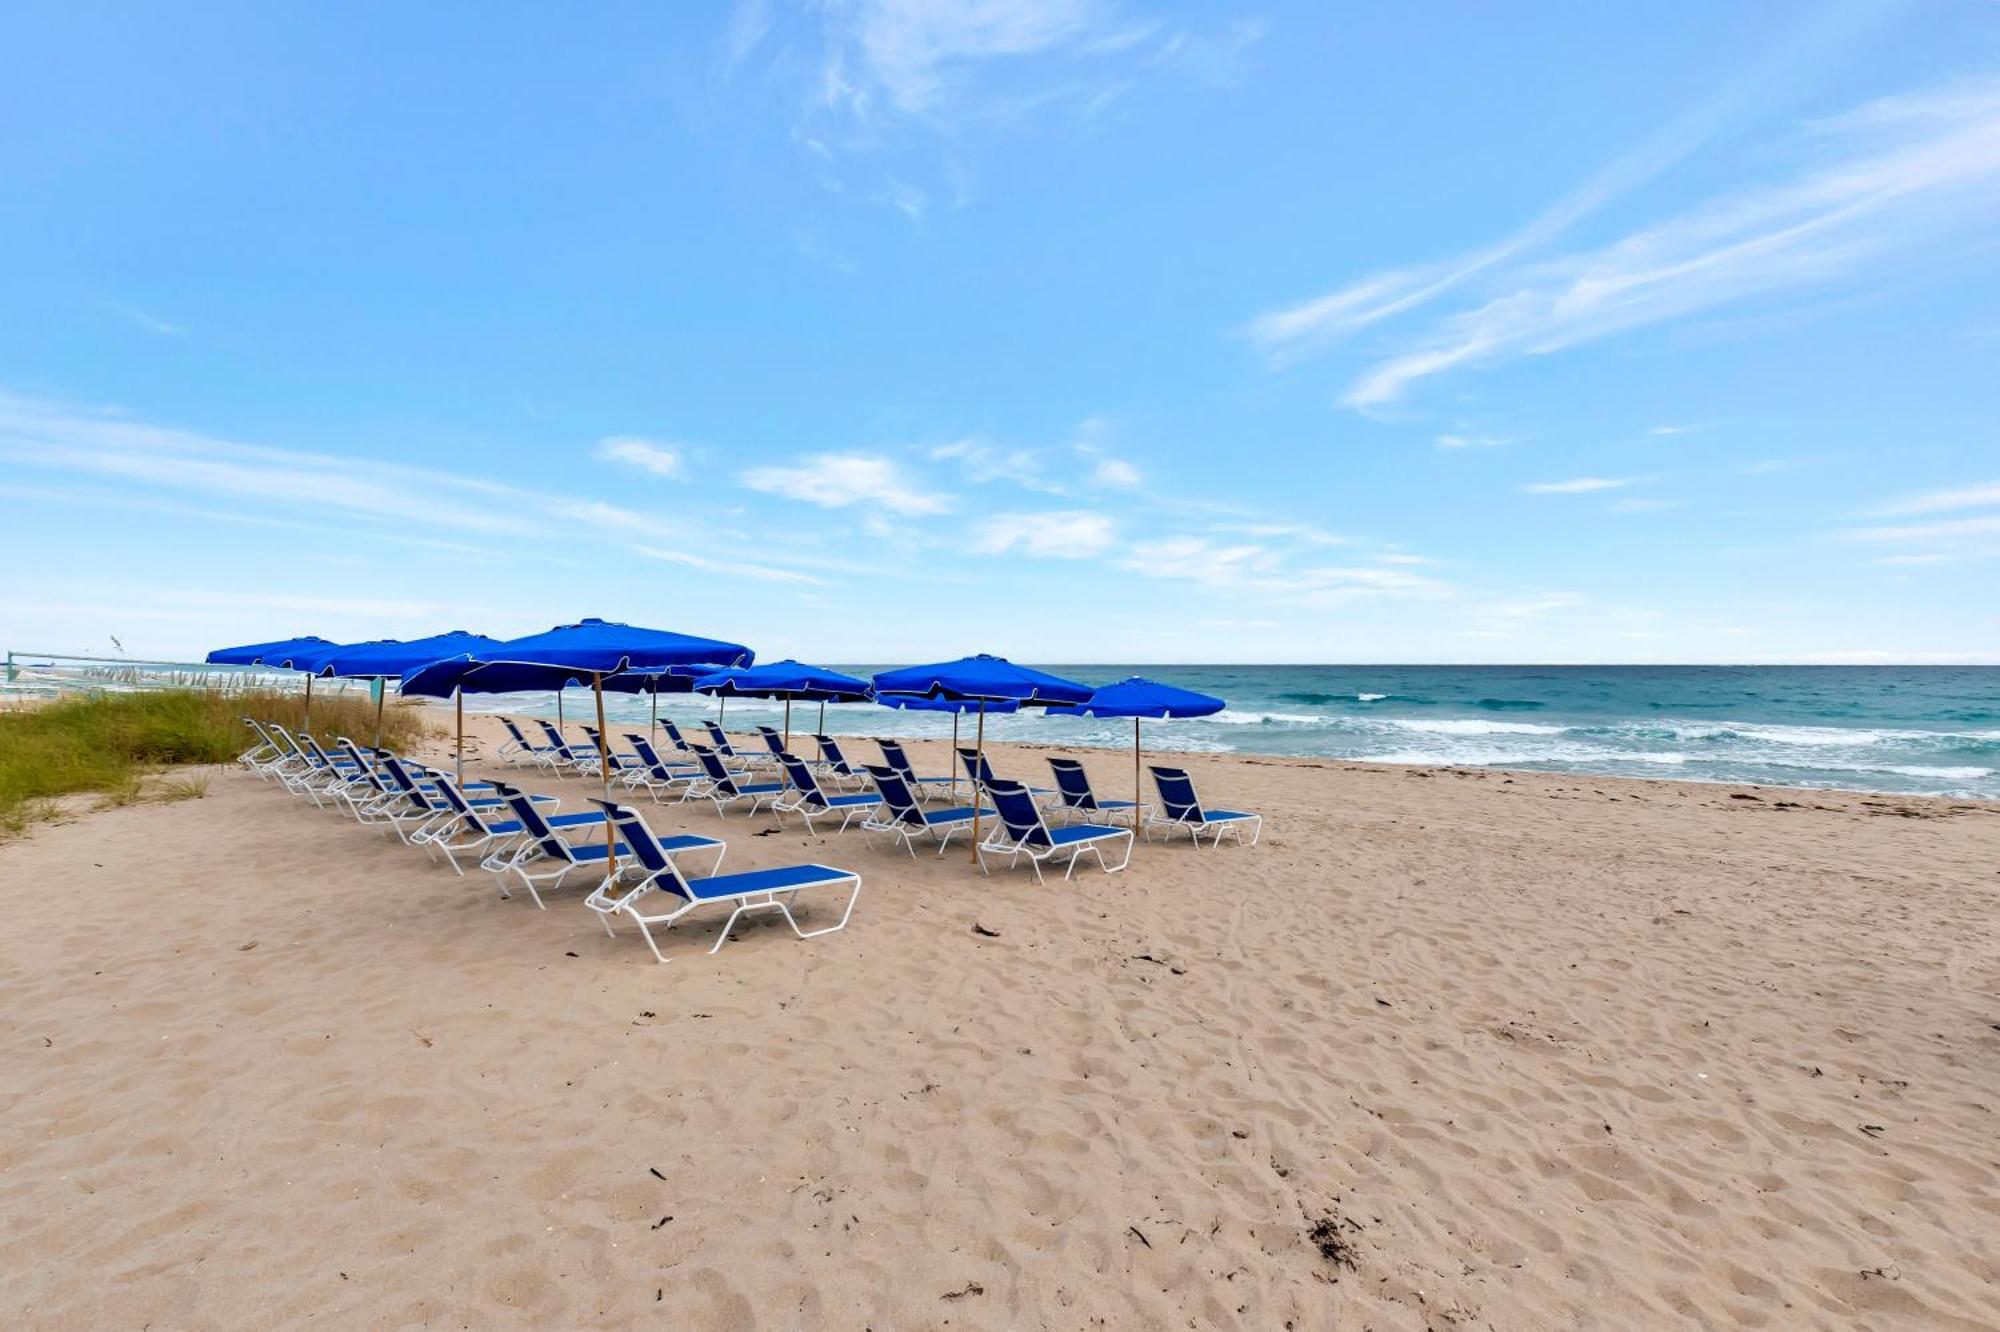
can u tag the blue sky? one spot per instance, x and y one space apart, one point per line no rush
1069 329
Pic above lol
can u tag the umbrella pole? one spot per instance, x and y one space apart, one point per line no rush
953 764
822 717
309 705
604 776
653 727
980 745
788 725
458 705
559 721
1138 786
381 697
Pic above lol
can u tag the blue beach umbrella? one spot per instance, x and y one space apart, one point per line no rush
275 653
394 658
258 654
957 707
984 681
1138 697
790 681
654 681
592 649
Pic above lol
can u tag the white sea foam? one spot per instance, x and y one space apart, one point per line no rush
1473 726
1370 698
1232 717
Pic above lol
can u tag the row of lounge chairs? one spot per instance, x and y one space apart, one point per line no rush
520 837
791 785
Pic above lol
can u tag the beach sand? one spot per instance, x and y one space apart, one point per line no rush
1447 1050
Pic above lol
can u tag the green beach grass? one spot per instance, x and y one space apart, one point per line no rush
131 747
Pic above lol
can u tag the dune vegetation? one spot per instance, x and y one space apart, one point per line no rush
136 746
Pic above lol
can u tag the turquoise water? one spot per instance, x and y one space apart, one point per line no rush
1908 729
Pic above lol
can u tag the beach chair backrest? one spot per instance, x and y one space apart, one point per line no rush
514 730
1072 784
647 754
286 744
893 755
711 763
455 799
532 821
897 796
829 754
775 741
720 738
1019 813
969 760
1177 795
674 736
406 784
645 847
801 778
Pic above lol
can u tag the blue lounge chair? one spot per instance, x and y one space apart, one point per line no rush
930 788
674 736
655 774
519 749
755 890
620 763
1181 808
1075 796
545 849
726 787
809 802
567 755
832 761
1021 831
904 817
475 830
265 750
773 742
718 740
980 770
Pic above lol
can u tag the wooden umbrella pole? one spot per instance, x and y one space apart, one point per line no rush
788 725
604 774
381 697
559 720
954 765
822 717
458 705
980 746
309 705
653 727
1138 784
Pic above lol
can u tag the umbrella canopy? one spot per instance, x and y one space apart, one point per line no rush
390 657
982 679
602 647
311 659
787 679
659 679
259 654
1140 697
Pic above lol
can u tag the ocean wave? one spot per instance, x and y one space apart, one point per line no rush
1234 717
1508 704
1369 698
1458 726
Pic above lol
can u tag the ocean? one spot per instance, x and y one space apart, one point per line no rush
1932 730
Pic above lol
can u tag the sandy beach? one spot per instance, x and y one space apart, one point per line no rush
1449 1049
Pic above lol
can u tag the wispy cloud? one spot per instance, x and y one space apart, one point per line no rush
1985 495
1889 182
838 480
1581 485
1944 530
144 319
644 454
1071 534
1460 440
732 568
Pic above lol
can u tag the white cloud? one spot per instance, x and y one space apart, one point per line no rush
1397 557
1065 534
1467 441
980 461
1944 501
1944 530
837 480
1900 561
1248 567
1582 485
644 454
1116 473
1897 179
735 568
